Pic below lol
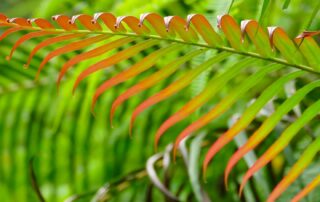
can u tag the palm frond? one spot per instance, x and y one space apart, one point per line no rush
260 53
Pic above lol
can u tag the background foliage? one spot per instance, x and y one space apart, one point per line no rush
73 152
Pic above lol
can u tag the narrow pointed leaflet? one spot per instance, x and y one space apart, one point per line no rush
283 140
176 86
213 87
309 49
153 79
268 125
90 54
311 186
28 37
304 160
49 42
118 57
134 70
71 47
248 116
226 102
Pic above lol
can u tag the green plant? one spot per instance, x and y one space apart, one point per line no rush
249 46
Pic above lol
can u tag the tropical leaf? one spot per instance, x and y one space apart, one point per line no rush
259 54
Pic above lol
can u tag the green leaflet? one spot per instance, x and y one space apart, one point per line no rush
294 128
266 96
179 84
227 102
284 139
212 88
269 124
248 115
286 4
139 67
307 156
310 50
153 79
312 185
288 105
313 16
263 10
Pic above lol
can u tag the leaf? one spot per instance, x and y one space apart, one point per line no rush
286 4
154 177
257 36
193 168
313 16
260 178
204 28
176 86
282 141
221 7
28 37
225 103
309 49
280 40
304 160
248 116
153 79
265 51
172 24
10 31
136 69
90 54
51 41
213 87
70 47
268 125
178 24
125 54
313 184
232 31
263 10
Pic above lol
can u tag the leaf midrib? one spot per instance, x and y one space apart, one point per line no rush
202 45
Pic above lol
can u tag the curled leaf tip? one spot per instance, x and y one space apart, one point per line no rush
156 141
240 192
58 87
113 110
58 81
111 123
204 172
74 89
156 147
243 183
77 82
174 153
36 78
226 176
307 34
158 136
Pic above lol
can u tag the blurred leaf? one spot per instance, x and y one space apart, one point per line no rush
194 168
286 4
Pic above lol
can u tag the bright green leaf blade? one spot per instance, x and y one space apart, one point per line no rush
304 160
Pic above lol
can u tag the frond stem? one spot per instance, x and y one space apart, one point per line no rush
220 48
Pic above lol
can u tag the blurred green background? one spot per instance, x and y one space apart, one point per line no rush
74 152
